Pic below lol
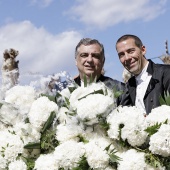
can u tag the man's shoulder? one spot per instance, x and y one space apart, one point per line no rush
112 83
158 65
77 80
161 69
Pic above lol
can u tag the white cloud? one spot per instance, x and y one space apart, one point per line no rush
40 51
105 13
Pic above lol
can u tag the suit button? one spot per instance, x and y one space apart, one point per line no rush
151 100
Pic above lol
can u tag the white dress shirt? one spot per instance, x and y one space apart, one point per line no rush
142 81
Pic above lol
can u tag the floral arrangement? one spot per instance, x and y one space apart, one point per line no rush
80 128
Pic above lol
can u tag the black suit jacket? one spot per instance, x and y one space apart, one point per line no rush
109 82
159 83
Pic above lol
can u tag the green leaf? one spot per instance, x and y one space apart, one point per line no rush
82 139
153 129
103 123
67 101
91 79
71 89
114 158
48 141
51 98
116 92
1 105
49 122
95 92
85 81
165 100
32 146
57 96
82 165
30 162
153 160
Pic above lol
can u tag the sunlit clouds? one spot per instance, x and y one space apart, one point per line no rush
105 13
39 50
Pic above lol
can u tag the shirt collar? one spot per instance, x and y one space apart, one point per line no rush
143 75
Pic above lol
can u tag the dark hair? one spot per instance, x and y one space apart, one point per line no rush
138 42
89 41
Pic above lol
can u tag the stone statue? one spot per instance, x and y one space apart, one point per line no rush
10 70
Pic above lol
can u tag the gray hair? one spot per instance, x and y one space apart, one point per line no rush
89 41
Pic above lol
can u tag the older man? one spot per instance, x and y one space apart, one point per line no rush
90 58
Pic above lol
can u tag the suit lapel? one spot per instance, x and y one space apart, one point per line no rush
151 86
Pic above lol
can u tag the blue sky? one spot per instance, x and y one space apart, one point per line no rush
45 32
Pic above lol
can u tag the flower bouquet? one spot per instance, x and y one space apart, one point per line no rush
80 128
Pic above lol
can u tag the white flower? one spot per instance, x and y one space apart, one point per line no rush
9 114
132 121
65 93
84 91
96 156
68 131
40 111
110 168
3 163
21 96
19 165
132 160
65 115
45 162
11 145
27 133
158 115
160 141
92 107
2 126
98 137
68 154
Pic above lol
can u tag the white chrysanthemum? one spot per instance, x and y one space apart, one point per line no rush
10 145
96 156
132 121
92 107
9 114
21 96
18 164
65 93
2 126
3 163
84 91
68 131
27 133
65 115
132 160
160 141
110 168
40 111
98 137
68 154
158 115
45 162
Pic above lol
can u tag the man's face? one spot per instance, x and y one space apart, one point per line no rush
131 56
89 61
